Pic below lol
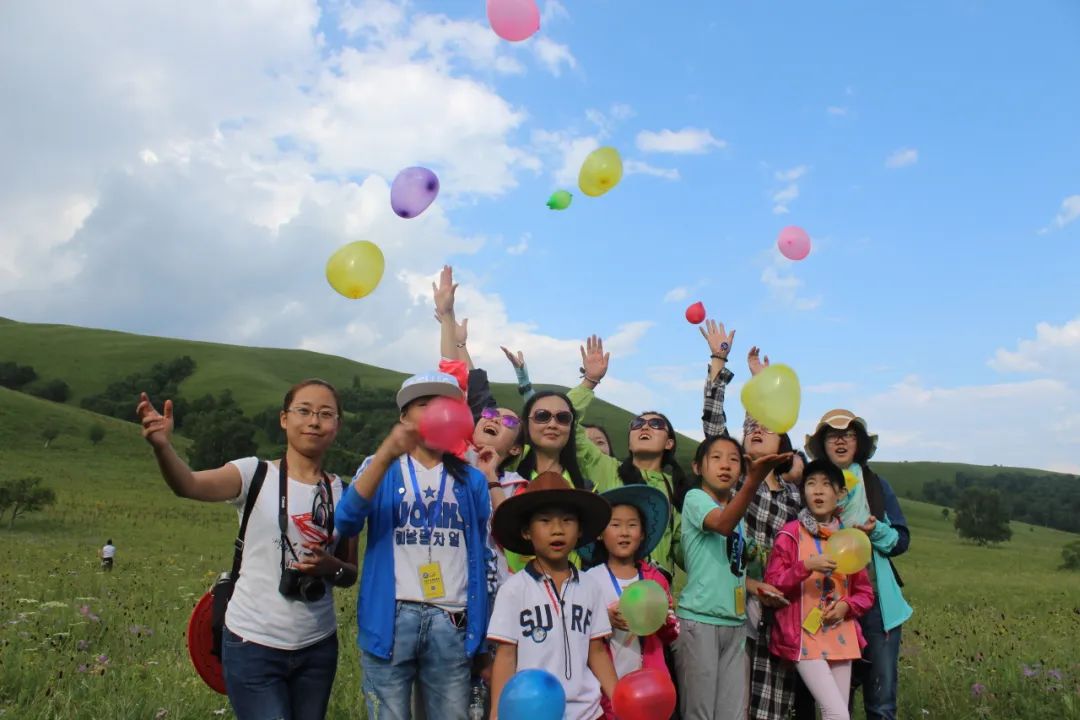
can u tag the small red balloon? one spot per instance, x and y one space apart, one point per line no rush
695 313
446 423
645 694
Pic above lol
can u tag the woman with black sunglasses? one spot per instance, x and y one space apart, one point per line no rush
651 461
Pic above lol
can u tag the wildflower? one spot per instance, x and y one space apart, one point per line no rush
1054 674
978 690
83 668
102 659
1030 672
82 645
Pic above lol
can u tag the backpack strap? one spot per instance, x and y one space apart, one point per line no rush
249 505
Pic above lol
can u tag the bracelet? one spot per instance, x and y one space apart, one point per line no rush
718 356
594 382
493 485
461 345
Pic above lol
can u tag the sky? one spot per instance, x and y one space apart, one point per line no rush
185 170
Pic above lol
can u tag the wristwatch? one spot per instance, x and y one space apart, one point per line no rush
336 579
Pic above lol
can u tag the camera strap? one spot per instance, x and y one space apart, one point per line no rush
283 509
249 505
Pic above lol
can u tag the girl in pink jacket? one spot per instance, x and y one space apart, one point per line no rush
639 516
818 630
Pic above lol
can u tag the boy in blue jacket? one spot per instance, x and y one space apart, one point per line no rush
423 607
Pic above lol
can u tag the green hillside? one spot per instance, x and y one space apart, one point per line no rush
908 478
88 360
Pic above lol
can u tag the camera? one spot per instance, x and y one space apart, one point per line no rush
295 585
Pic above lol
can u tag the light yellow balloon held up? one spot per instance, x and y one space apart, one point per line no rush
772 398
600 172
851 550
355 269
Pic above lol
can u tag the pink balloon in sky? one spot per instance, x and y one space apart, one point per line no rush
793 242
513 20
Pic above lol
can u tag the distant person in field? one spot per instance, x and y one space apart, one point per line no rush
870 504
107 554
280 645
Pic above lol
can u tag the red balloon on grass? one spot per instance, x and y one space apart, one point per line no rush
793 242
696 313
446 423
645 694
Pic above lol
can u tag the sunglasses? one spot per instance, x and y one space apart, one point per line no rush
654 422
508 421
543 417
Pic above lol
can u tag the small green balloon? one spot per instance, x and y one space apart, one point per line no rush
559 200
644 606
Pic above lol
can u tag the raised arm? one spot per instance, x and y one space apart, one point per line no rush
223 483
724 520
600 469
524 384
713 417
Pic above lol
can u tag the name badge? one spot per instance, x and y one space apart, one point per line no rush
812 623
740 600
431 582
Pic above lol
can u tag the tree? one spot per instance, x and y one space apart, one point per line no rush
49 434
24 495
981 516
945 513
97 433
53 390
220 436
15 376
1070 556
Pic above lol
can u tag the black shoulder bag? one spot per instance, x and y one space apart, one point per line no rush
226 583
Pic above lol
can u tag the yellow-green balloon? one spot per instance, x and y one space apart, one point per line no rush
355 269
851 550
559 200
600 172
644 606
772 398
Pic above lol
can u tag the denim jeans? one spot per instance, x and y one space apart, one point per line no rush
428 649
269 684
880 672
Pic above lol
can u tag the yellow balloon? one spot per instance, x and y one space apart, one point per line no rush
600 172
772 398
355 269
850 548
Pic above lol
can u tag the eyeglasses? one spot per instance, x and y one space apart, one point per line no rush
508 421
846 436
305 414
751 428
654 422
543 417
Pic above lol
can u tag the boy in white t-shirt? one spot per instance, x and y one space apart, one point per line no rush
550 616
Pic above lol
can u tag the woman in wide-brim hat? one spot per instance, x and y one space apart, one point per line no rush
844 438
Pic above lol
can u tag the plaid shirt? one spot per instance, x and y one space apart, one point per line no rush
713 419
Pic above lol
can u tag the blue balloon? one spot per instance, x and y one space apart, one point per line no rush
532 695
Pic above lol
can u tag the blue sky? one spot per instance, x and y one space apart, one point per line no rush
930 150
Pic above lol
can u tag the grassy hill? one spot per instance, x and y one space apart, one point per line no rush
79 643
88 360
908 478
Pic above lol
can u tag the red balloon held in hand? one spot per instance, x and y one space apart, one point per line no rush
446 423
695 313
645 694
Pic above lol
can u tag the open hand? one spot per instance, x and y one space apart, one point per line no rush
594 361
868 526
760 468
753 359
518 361
444 292
718 338
156 427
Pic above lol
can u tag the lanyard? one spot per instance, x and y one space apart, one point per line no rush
430 516
615 580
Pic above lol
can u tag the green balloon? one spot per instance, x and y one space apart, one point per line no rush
644 606
559 200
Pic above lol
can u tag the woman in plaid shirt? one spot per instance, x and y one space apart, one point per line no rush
772 681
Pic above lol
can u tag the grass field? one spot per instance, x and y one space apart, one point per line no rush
995 633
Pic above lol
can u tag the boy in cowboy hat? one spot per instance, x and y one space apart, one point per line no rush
549 616
843 438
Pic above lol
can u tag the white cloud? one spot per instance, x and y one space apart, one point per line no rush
521 246
1054 352
1070 211
569 152
784 288
830 388
686 141
552 10
782 198
553 55
902 158
637 167
836 111
676 294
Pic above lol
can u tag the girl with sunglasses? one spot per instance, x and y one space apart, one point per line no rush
651 460
280 648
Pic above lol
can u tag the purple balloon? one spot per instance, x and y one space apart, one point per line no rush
413 190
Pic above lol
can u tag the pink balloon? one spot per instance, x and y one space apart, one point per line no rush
793 242
513 20
446 423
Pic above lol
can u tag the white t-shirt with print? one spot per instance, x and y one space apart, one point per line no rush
257 611
442 543
528 614
625 646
